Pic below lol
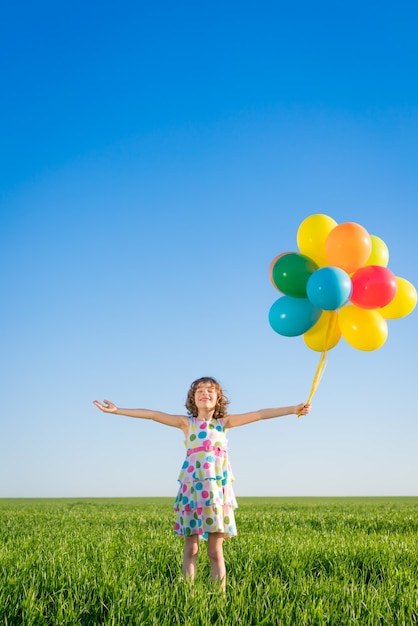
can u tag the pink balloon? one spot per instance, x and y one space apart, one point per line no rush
374 286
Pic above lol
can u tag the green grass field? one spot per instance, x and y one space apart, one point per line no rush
296 561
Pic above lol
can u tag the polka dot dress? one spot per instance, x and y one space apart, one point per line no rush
205 500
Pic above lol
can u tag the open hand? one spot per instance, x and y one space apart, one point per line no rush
106 407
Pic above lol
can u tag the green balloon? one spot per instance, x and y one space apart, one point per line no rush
291 273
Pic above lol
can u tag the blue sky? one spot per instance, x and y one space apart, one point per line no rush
155 157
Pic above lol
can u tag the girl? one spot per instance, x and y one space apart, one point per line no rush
205 500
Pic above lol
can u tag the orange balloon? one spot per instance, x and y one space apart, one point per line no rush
348 246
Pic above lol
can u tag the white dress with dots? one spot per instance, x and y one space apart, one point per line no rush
205 500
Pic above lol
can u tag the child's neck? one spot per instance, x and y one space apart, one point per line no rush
205 416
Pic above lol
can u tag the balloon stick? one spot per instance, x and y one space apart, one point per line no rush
323 358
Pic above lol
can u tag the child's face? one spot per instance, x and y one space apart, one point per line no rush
205 396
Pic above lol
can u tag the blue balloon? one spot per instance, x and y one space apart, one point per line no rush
293 316
329 288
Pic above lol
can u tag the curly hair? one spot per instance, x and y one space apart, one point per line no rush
221 402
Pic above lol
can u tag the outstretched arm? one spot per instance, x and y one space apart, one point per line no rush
265 414
178 421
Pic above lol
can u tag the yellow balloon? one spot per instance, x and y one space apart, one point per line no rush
363 329
312 234
380 252
325 334
403 303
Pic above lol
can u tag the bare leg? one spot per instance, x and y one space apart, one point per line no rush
216 558
191 549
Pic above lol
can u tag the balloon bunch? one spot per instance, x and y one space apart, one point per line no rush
337 285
